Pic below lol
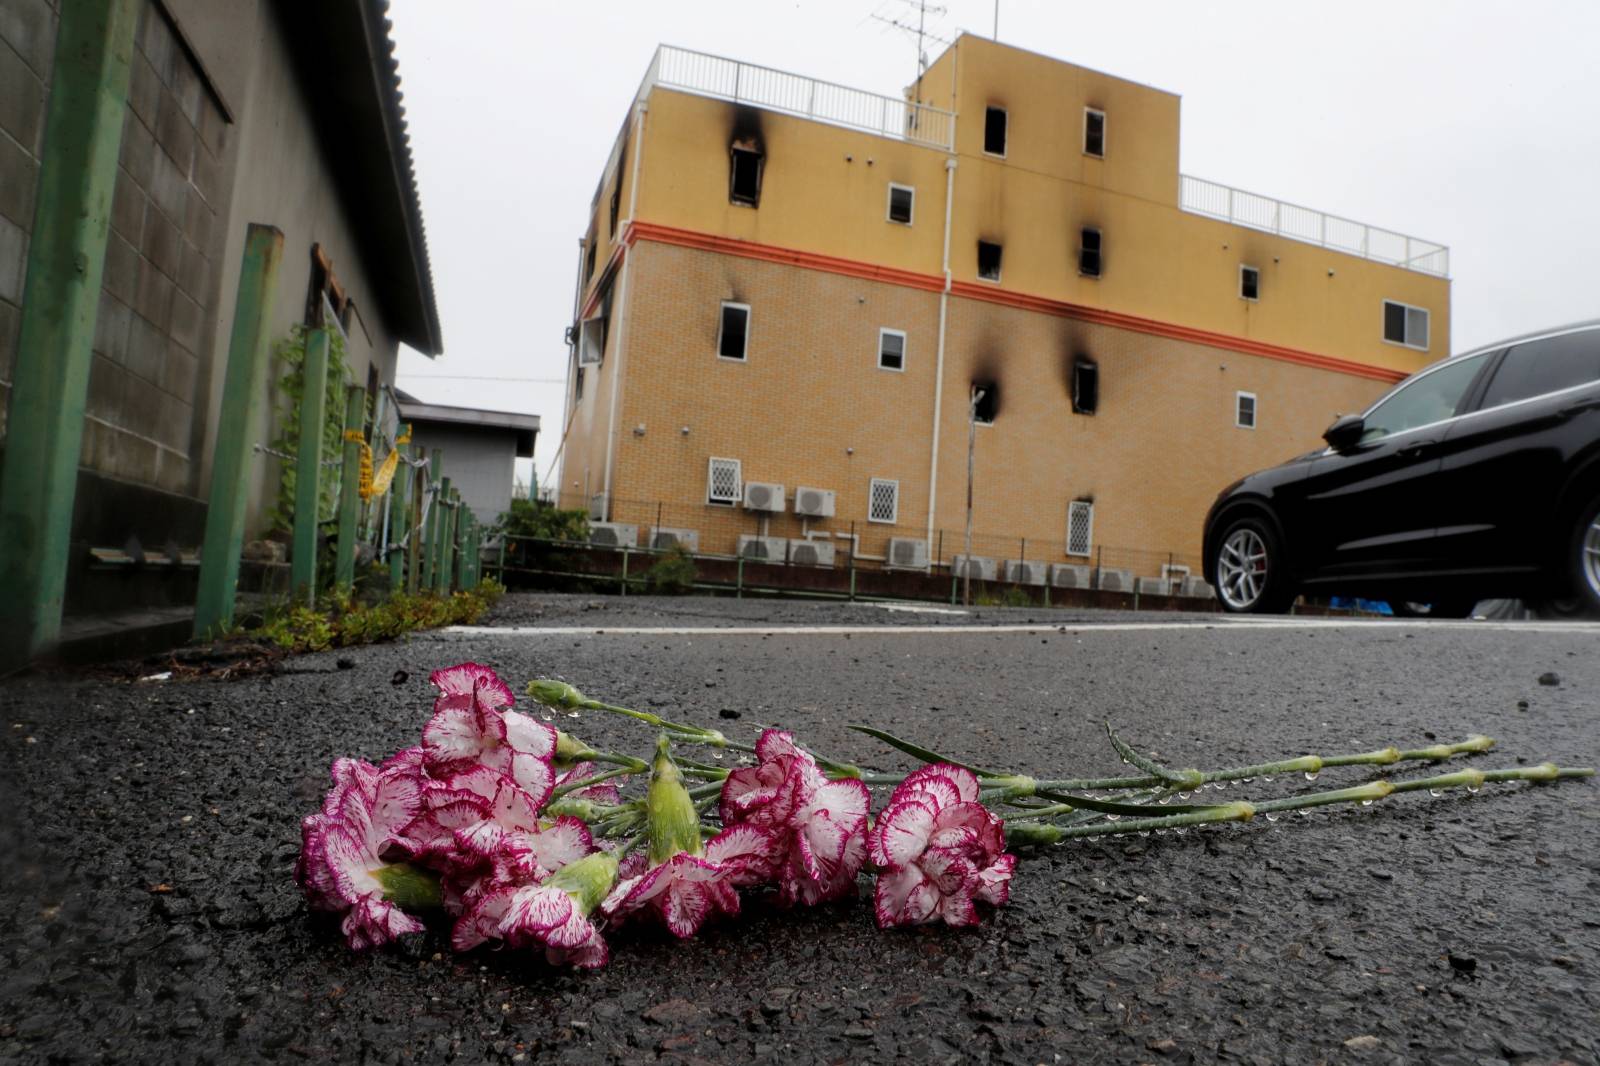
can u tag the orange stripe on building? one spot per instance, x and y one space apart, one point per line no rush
708 242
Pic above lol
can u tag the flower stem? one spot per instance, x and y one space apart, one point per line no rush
606 775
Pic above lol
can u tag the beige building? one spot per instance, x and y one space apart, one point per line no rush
790 292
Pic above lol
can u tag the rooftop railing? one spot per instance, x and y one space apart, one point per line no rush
793 94
1250 209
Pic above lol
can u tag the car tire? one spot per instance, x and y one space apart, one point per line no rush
1251 568
1433 609
1581 570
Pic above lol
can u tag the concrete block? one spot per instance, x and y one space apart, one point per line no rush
162 243
194 273
144 90
177 419
128 208
1116 580
178 373
187 88
29 26
13 261
212 127
121 276
106 390
198 219
147 349
169 188
141 409
157 42
138 152
207 175
1069 576
134 459
19 178
173 472
175 134
22 96
111 326
187 319
153 296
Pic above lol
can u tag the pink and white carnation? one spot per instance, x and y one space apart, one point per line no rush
342 855
940 850
819 826
473 724
553 915
603 792
687 889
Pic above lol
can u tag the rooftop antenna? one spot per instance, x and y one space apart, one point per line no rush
921 9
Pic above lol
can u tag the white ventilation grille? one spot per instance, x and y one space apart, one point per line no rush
1080 527
883 501
723 483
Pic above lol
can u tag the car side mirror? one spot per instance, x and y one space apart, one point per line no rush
1345 433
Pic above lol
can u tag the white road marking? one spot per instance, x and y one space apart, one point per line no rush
912 608
1073 628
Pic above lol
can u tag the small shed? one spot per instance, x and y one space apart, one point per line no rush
480 447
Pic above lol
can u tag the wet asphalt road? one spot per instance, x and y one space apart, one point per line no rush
147 914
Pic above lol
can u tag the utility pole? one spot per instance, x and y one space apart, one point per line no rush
974 398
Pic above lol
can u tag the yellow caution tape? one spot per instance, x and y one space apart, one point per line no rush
371 485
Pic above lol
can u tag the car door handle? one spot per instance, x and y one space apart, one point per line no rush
1579 406
1415 448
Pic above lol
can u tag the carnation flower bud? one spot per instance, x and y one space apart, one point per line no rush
570 751
587 881
408 887
553 693
674 826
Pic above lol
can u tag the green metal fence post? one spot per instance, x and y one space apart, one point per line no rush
441 550
452 544
738 590
61 298
463 542
624 570
244 396
419 496
430 545
399 522
344 565
308 469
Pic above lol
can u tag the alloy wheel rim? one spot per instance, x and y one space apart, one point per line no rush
1591 556
1242 568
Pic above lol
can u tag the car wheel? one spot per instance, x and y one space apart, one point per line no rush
1434 609
1583 563
1252 575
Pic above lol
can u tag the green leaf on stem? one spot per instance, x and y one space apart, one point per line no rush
918 752
1186 779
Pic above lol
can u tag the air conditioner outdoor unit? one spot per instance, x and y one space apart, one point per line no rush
907 553
597 507
1068 576
664 539
974 566
811 553
1196 588
1153 586
1175 572
763 549
813 503
1116 580
763 496
1025 572
613 535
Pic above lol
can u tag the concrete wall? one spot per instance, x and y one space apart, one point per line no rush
480 463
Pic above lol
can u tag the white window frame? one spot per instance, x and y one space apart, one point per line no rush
744 357
1007 113
1427 325
712 500
887 332
1238 410
1087 111
1082 507
888 204
872 494
1257 271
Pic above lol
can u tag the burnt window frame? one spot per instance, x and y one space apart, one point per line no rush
722 322
1005 131
750 147
911 204
994 410
1098 251
886 331
1085 368
999 257
1099 113
1244 269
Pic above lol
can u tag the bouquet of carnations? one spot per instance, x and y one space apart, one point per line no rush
522 835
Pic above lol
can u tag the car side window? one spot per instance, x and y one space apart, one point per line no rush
1433 397
1546 365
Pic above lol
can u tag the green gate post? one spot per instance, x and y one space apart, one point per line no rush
430 541
624 571
419 496
452 544
441 540
61 297
399 522
308 469
463 540
244 396
344 560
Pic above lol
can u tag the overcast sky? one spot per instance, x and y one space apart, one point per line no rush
1470 123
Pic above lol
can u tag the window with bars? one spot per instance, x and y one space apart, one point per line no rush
724 486
883 501
1244 411
902 199
1404 324
891 349
1080 526
1094 132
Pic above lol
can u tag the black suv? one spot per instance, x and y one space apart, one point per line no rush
1476 478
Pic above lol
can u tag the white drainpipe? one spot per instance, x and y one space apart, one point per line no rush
938 367
622 306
